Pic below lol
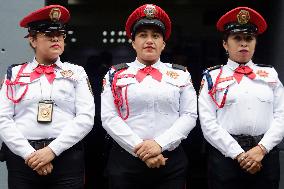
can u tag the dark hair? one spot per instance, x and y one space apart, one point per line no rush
226 36
34 37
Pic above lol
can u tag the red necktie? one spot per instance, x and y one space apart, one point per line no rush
243 70
48 71
142 73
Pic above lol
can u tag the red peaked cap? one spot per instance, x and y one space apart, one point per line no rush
51 13
148 14
242 19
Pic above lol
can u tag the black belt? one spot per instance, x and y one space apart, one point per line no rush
247 140
39 144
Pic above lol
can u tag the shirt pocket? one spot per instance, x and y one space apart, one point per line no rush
221 88
168 98
63 89
265 95
33 90
135 96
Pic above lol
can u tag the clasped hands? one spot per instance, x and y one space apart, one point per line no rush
150 151
251 160
40 161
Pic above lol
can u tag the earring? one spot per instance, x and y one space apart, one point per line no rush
227 53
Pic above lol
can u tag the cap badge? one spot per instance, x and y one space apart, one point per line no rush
150 11
243 17
55 14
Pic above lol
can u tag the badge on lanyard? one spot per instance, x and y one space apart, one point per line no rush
45 109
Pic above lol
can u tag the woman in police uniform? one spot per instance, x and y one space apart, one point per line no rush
148 107
46 109
241 108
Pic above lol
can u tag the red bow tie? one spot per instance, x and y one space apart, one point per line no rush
142 73
243 70
48 71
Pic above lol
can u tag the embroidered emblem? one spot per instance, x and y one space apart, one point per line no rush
55 14
225 79
201 86
1 83
104 84
172 74
262 73
66 73
243 17
150 11
90 86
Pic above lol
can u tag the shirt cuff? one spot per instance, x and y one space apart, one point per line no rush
235 152
28 152
162 142
55 148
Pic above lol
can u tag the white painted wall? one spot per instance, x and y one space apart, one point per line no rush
14 48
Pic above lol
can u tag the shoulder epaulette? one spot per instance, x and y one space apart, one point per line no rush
208 76
121 66
117 67
214 67
9 70
264 65
179 67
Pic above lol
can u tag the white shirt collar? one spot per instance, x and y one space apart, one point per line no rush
233 65
139 65
35 63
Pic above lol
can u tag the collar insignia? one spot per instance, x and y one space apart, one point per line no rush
262 73
172 74
66 73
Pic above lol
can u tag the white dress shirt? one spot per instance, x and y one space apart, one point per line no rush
73 110
252 107
165 111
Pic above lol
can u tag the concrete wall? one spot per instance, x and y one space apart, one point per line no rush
14 48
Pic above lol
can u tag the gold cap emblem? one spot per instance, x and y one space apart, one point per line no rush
55 14
150 11
243 17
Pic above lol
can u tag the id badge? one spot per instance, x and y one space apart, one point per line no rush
45 109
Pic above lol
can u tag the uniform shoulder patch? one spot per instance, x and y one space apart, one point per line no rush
121 66
264 65
214 67
179 67
9 70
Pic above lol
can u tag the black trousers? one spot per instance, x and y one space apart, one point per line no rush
128 172
226 173
67 173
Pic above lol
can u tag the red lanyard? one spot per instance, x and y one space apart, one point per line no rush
212 92
117 93
9 84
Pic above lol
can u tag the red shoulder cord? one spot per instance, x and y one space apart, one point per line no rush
212 92
117 94
10 85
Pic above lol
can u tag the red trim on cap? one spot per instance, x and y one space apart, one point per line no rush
231 16
139 13
43 14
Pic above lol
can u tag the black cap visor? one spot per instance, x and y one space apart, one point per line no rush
148 22
243 28
45 26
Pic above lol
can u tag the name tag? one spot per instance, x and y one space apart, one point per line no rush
45 110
